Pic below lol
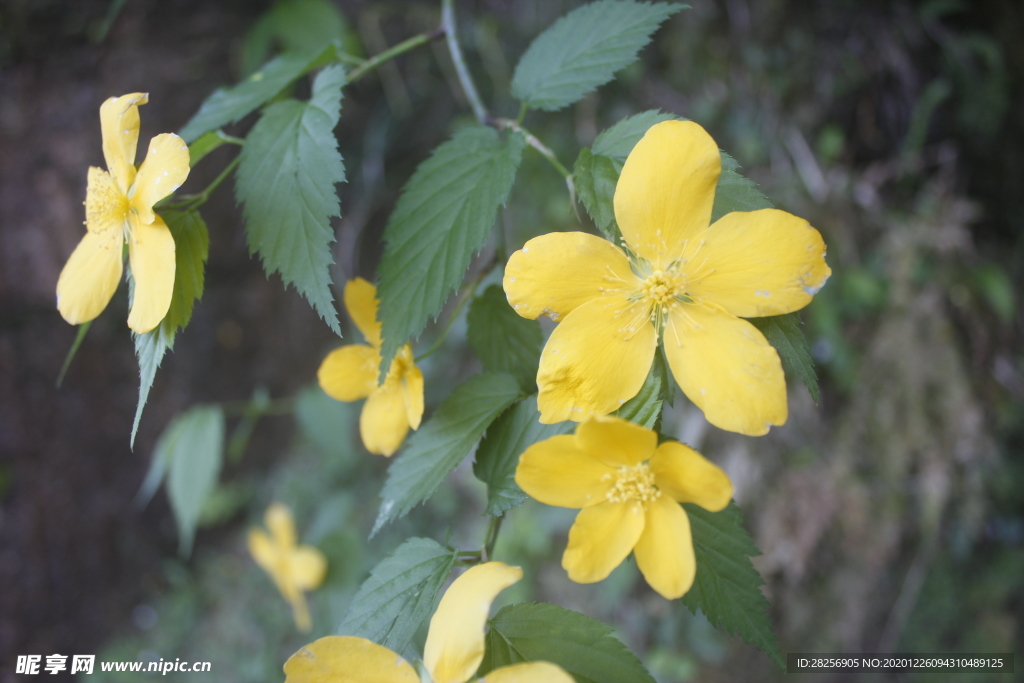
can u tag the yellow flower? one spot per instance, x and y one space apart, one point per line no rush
678 279
629 489
349 373
452 654
119 209
294 568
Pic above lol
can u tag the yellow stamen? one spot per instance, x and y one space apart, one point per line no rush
634 483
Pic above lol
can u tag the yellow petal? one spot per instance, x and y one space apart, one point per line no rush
307 567
347 659
760 263
601 538
361 303
557 471
596 359
262 549
689 477
554 274
412 394
106 206
119 123
90 277
281 524
455 640
151 254
529 672
664 553
349 373
727 368
163 172
666 190
615 441
384 421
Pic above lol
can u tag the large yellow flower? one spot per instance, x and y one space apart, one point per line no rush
454 648
629 489
294 568
349 373
119 209
679 279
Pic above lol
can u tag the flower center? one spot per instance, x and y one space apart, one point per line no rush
634 483
662 287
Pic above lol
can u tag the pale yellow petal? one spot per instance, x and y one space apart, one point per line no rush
151 254
412 394
347 659
665 192
615 441
760 263
689 477
307 566
595 360
119 123
556 471
554 274
664 553
361 303
455 640
349 373
601 538
727 368
384 421
262 549
279 520
529 672
90 277
163 172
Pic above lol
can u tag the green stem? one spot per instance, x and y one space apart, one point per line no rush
522 113
83 329
545 151
466 295
392 52
194 201
448 25
492 536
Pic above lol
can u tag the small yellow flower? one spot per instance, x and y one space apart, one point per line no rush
454 648
294 568
629 489
119 209
349 373
678 279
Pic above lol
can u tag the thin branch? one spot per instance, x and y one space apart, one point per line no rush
448 25
389 54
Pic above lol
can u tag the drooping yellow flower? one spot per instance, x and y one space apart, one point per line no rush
629 489
294 568
454 648
679 279
349 373
118 209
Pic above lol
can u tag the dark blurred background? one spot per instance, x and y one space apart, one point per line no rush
891 514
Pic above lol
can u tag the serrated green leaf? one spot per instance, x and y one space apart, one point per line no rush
149 350
228 105
497 457
618 141
784 333
583 50
191 250
443 217
443 442
583 646
295 25
727 588
646 407
735 192
289 166
503 340
192 447
399 594
595 177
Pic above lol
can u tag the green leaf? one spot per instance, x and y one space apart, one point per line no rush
399 594
443 441
735 192
295 25
149 350
206 143
595 177
497 457
646 407
191 250
618 141
83 330
584 647
444 216
192 447
289 166
784 333
583 50
503 340
228 105
727 588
